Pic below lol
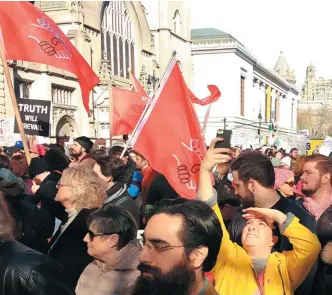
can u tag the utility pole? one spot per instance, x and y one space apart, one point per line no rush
225 123
259 127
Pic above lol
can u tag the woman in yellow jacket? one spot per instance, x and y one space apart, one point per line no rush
254 270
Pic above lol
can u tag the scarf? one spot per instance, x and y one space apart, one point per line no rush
315 209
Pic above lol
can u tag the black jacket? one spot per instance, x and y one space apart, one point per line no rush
284 205
24 271
33 225
129 171
69 249
118 195
323 279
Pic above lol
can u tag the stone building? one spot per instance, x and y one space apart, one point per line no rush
282 68
316 89
112 36
253 97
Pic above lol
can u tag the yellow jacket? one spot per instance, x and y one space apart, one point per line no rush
234 273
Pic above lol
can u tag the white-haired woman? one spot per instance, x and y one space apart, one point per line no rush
80 191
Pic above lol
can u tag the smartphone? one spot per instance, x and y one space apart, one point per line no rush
227 136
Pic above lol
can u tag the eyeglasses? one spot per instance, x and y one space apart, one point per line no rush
290 183
92 235
158 247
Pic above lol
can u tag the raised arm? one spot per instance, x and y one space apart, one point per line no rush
208 195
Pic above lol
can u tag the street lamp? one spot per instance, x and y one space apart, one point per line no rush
259 127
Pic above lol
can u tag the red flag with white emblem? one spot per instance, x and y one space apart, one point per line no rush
29 34
169 135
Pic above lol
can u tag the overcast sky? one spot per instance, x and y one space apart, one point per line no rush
300 28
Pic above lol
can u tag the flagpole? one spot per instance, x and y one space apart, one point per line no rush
148 104
14 101
110 95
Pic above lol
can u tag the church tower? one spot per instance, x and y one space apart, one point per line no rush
282 68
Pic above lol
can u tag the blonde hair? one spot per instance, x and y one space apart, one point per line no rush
87 189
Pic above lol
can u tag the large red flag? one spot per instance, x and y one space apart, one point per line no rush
169 135
214 96
29 34
128 106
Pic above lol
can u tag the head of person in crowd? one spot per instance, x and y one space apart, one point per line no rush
140 161
116 152
294 153
19 166
253 176
267 152
37 150
228 202
286 163
111 229
274 151
99 154
81 147
284 181
258 236
56 159
110 170
4 162
132 155
298 167
281 154
181 241
56 146
38 170
80 188
317 175
222 171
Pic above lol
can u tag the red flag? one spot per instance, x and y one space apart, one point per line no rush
214 96
169 135
29 34
128 107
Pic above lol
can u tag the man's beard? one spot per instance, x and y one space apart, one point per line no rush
76 155
310 192
249 200
179 280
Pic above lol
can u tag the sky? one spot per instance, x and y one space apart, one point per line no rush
302 29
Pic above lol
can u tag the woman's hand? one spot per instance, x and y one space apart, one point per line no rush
34 187
270 215
215 156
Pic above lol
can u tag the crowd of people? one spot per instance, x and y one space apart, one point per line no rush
86 220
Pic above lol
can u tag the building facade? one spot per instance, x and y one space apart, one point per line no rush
113 37
316 89
254 99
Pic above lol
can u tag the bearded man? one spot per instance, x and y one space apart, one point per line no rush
80 151
181 242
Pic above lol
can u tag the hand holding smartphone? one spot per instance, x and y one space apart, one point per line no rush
227 136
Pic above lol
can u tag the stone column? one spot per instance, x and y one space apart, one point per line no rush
125 70
118 52
262 99
129 49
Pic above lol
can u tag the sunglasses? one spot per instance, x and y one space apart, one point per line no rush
290 183
92 235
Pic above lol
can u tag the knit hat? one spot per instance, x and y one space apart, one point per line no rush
84 142
281 176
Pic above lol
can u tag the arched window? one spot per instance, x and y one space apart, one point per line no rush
177 23
117 40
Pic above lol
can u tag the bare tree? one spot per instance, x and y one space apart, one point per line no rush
305 119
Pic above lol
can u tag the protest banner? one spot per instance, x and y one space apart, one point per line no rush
35 116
